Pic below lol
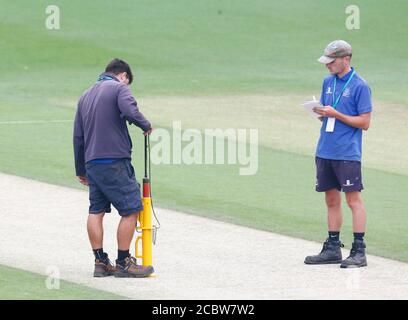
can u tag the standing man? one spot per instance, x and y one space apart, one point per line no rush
102 148
346 112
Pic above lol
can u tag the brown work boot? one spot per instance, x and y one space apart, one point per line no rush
128 268
103 267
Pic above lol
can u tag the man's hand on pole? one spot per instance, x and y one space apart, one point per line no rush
148 132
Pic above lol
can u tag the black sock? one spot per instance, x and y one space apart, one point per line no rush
359 236
122 254
99 254
334 235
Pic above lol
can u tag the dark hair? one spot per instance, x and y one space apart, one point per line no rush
117 66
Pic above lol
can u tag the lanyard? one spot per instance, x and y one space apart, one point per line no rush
335 102
104 78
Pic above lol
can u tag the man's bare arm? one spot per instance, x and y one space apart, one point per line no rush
361 121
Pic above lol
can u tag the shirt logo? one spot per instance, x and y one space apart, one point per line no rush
329 90
346 93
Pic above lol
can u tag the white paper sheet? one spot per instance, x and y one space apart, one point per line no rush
309 105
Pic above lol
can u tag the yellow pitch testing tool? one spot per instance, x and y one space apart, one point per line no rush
145 227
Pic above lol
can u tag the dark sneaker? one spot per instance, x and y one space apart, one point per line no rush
103 267
331 253
129 268
357 257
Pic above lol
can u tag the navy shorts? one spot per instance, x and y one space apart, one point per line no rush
113 183
343 175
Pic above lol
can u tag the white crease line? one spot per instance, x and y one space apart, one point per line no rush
34 121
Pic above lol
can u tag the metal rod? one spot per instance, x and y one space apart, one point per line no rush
145 156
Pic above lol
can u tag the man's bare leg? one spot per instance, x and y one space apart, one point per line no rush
103 267
126 229
331 252
357 257
95 230
334 211
356 204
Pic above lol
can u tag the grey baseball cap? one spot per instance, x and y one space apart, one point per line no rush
335 49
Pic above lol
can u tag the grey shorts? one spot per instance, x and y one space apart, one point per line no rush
343 175
113 183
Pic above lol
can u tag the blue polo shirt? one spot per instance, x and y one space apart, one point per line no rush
345 143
